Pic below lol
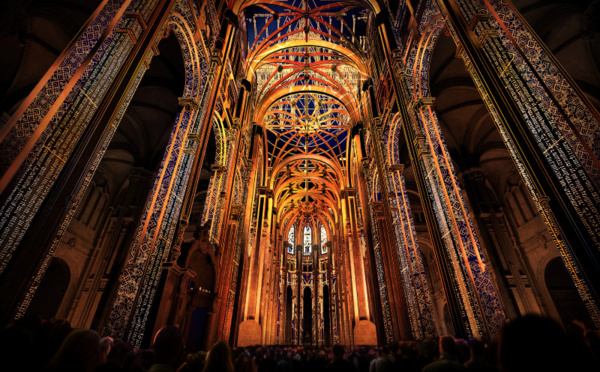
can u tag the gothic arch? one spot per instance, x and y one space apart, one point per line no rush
174 166
238 5
58 280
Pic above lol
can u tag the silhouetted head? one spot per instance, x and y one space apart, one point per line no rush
384 350
408 349
534 343
219 358
106 344
448 346
80 351
118 352
168 346
477 348
338 351
196 361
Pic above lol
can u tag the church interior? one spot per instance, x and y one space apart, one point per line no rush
299 172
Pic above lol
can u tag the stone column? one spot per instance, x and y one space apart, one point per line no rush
250 330
550 129
54 142
513 277
472 297
395 281
153 242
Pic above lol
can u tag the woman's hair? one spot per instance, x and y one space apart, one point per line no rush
80 351
219 358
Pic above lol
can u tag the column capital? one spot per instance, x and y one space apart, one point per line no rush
216 57
237 209
378 208
421 145
247 85
263 190
487 34
478 24
423 103
193 137
476 19
399 67
460 51
188 103
397 168
377 122
367 84
217 168
232 17
347 192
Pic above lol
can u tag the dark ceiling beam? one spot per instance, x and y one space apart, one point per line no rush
454 82
458 106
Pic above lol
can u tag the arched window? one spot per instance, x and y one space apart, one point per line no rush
307 240
292 239
323 240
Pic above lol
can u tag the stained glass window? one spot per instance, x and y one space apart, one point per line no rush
307 240
291 239
323 240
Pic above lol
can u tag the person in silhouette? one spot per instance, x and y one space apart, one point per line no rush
447 361
219 358
168 350
339 364
535 343
79 352
478 361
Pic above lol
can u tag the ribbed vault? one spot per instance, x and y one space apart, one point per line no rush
306 61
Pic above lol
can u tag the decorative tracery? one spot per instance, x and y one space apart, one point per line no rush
291 239
323 240
307 240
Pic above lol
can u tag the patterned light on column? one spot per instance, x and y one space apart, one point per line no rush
481 307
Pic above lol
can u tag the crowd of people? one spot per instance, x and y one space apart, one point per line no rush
531 343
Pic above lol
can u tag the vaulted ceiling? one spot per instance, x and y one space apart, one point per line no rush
308 61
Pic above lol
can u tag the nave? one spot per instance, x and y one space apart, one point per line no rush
305 173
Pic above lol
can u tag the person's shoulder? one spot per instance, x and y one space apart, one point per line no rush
431 367
479 365
342 365
444 365
161 368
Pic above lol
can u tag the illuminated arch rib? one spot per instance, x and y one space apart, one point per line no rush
239 5
346 99
306 60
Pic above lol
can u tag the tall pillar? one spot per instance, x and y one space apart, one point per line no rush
513 276
298 288
250 331
229 263
55 140
345 319
364 329
418 295
356 278
549 127
372 259
90 304
396 282
383 276
237 285
475 306
272 301
153 241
